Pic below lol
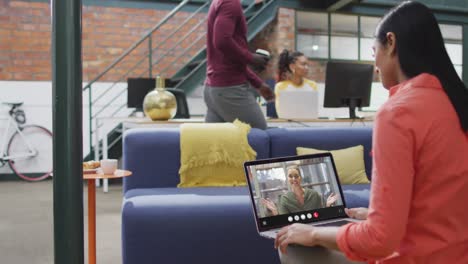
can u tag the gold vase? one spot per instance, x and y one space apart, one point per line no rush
160 104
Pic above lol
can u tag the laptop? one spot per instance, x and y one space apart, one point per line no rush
300 104
269 184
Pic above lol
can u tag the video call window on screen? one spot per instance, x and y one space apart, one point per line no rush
272 186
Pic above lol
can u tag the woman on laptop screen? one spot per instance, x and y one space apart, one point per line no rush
419 184
293 68
298 198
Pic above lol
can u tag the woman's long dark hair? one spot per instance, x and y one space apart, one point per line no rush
285 58
420 49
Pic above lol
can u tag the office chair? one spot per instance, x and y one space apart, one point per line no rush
181 99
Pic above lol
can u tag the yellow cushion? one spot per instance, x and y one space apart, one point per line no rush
214 154
349 163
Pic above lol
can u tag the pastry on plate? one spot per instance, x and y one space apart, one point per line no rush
92 164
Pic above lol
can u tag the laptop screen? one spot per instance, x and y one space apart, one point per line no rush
298 189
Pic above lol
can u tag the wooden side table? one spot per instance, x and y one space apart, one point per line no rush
91 178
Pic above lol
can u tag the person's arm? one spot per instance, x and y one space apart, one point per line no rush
262 87
306 235
331 199
312 84
270 206
223 32
253 78
359 213
392 184
279 86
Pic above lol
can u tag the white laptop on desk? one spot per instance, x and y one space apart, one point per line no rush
268 180
300 104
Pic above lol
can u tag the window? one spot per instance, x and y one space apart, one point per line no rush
366 35
352 37
344 37
453 37
312 34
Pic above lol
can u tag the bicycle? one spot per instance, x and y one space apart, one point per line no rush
29 148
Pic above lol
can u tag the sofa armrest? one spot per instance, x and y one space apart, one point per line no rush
149 153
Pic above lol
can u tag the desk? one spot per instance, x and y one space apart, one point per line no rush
277 122
91 177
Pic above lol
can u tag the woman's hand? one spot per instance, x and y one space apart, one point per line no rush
331 199
299 234
271 206
357 213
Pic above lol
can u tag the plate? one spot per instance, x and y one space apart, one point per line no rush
90 171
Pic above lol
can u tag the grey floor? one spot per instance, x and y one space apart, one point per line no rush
26 223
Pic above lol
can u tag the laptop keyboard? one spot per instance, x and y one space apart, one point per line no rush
337 223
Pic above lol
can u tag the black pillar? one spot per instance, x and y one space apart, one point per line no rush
465 55
67 123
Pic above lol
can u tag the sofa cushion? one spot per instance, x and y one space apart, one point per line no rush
284 141
192 225
349 163
212 155
153 155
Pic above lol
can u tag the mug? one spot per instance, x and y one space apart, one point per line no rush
108 166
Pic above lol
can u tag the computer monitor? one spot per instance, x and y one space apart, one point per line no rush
348 85
137 90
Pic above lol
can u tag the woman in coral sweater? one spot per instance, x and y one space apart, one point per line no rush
417 211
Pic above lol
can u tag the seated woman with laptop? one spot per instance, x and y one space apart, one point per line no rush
296 96
417 212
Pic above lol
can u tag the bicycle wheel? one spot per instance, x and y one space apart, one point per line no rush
33 168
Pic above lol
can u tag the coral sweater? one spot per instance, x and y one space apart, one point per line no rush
418 211
226 46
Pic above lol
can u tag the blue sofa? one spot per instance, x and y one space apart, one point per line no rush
165 224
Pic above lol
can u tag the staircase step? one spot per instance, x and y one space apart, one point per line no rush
173 81
194 64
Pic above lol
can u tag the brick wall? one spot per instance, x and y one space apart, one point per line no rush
25 41
279 35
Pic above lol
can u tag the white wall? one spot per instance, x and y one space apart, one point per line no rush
37 98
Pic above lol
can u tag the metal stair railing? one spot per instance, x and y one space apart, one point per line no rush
151 64
149 54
